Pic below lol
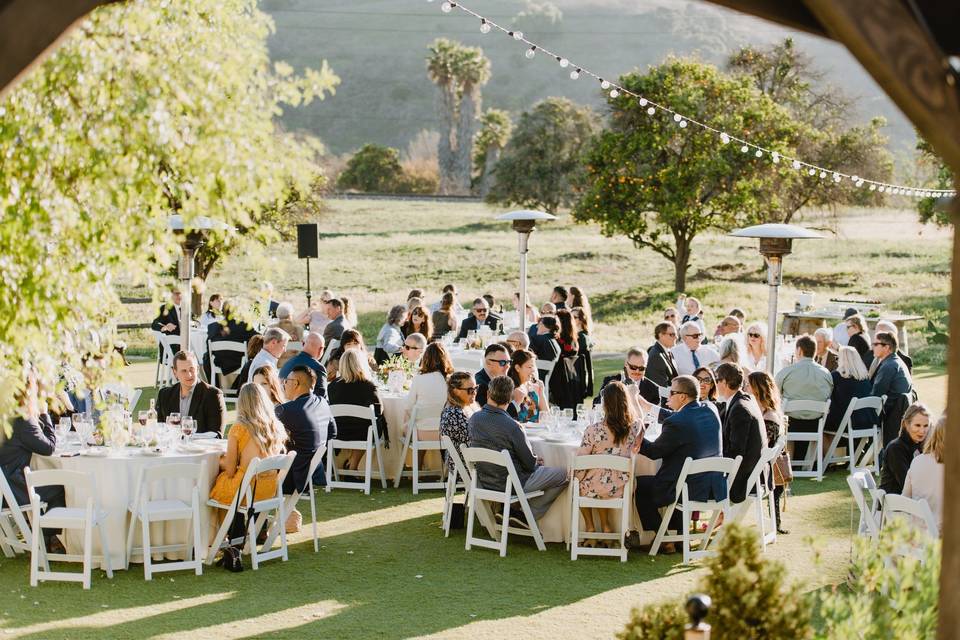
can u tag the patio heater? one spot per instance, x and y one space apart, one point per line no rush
776 241
191 236
524 223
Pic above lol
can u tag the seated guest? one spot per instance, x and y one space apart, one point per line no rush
690 311
755 351
461 392
418 321
859 338
744 432
548 308
338 322
228 329
415 294
496 362
826 356
764 390
256 434
633 373
495 311
672 316
730 325
738 313
444 318
31 433
661 367
890 379
390 338
492 428
354 386
313 347
617 434
901 451
308 422
455 305
192 397
925 475
804 380
254 346
528 390
285 322
274 344
690 354
729 351
413 346
168 319
840 334
691 431
315 317
267 377
531 314
850 382
544 341
479 317
558 297
351 339
518 340
429 386
885 326
212 314
708 387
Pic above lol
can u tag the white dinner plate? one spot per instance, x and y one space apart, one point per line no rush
95 452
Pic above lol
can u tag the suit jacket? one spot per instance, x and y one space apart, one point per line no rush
168 314
744 434
206 406
545 347
307 420
470 324
648 390
307 360
28 437
661 369
858 342
335 329
692 432
229 331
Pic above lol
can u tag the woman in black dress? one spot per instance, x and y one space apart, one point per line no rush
353 386
860 338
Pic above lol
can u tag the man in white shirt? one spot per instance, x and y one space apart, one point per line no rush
690 355
840 335
274 344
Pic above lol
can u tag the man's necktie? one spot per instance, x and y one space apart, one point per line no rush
696 360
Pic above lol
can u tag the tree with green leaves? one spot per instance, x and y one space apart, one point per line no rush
372 169
662 185
788 76
459 73
540 165
147 109
928 208
495 130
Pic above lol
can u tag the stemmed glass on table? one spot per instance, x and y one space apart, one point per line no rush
187 426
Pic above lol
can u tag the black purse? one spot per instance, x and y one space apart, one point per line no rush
232 558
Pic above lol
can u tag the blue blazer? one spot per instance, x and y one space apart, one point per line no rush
692 432
308 422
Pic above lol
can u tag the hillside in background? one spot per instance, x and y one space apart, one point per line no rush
378 48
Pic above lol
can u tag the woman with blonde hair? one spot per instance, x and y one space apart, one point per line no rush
266 376
925 476
755 354
730 352
256 434
850 381
901 451
354 386
859 338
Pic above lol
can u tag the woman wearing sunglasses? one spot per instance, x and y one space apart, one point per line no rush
461 404
755 355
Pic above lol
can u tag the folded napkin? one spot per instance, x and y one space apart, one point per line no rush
205 435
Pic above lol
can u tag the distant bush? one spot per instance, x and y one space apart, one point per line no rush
373 169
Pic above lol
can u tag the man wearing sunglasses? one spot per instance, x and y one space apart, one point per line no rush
633 373
690 354
479 316
661 368
413 346
496 362
891 379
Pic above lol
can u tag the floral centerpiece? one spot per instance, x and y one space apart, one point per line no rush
396 372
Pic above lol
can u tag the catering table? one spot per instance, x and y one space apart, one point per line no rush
115 475
555 524
800 322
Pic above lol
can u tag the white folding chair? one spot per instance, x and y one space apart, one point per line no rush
371 446
459 479
815 456
861 483
148 510
868 450
15 534
311 495
165 344
426 417
760 497
263 508
548 366
328 350
88 517
216 373
511 494
897 506
623 504
124 393
721 465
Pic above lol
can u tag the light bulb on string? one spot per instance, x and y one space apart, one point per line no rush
575 74
724 138
677 117
518 35
651 111
823 174
796 164
683 124
813 172
744 149
855 178
614 93
604 84
873 187
643 102
880 189
759 153
484 26
532 51
775 157
445 7
564 63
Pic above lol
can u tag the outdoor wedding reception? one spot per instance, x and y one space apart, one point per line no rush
518 319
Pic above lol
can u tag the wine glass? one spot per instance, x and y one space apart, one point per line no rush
62 429
173 419
84 430
567 415
75 419
187 426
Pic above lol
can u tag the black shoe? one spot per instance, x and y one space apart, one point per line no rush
53 545
632 540
783 532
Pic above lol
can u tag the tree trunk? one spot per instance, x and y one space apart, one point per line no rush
466 130
446 157
489 166
681 262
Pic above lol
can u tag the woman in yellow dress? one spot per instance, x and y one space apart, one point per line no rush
256 434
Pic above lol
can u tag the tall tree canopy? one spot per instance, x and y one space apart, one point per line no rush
942 178
495 130
149 108
539 165
660 184
459 73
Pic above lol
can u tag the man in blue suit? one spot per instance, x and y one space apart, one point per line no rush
308 422
691 431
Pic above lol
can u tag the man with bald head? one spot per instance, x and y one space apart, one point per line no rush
313 346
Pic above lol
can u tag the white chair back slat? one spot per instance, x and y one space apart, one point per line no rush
895 506
370 445
861 483
813 465
459 478
548 366
423 416
329 350
623 504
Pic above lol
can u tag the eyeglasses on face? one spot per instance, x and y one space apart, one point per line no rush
409 347
636 367
705 380
674 392
469 390
694 335
502 363
882 344
754 335
479 311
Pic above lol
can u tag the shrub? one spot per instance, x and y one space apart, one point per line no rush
655 622
373 169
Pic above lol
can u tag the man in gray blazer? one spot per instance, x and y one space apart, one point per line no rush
338 324
493 428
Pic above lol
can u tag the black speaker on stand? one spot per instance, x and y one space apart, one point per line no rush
307 236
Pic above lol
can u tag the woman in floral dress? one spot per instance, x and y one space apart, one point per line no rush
619 434
461 404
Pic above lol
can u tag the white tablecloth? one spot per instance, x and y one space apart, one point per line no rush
555 524
116 479
466 359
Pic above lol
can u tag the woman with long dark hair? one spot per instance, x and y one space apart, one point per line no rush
418 322
764 390
523 372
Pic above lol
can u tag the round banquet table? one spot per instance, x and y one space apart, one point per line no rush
466 359
555 524
392 405
115 476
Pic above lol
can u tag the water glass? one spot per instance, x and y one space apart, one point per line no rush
174 420
85 430
187 426
76 419
63 428
568 416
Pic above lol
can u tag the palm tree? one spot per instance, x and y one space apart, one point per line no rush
495 131
459 72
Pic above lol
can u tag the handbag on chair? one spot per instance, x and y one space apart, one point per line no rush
232 558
